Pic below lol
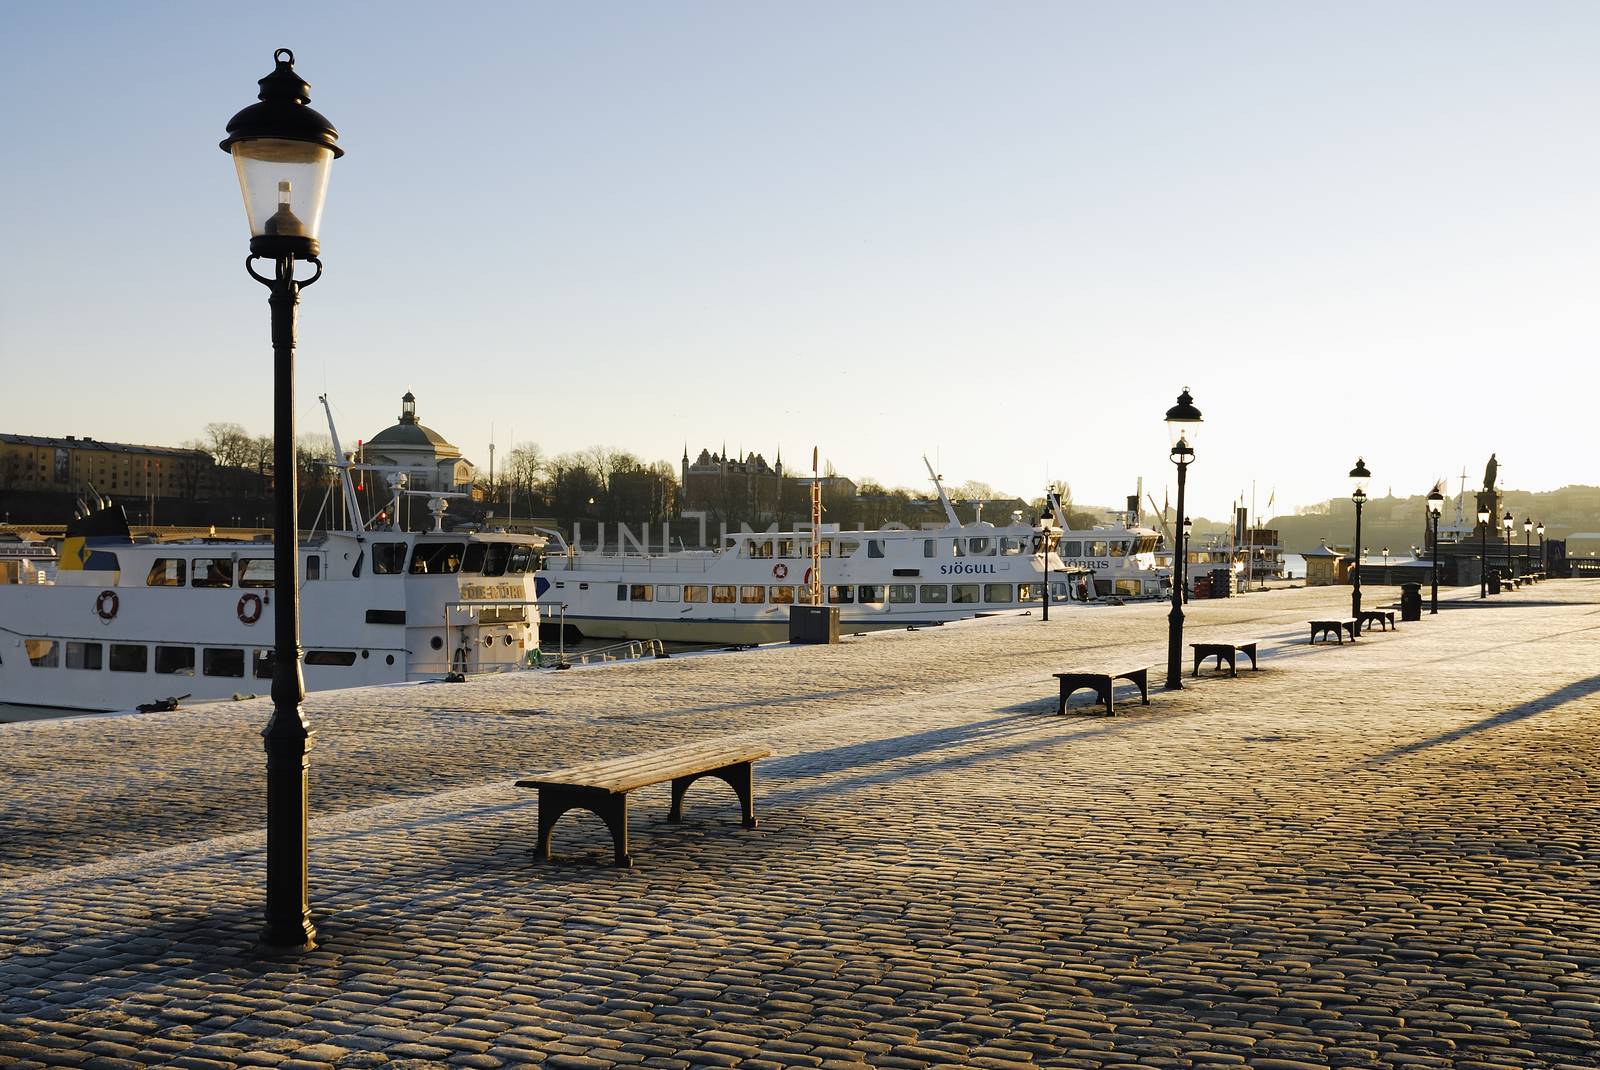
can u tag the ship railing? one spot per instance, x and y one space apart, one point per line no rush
476 605
628 650
626 562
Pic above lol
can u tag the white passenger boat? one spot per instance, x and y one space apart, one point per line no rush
741 591
127 623
1118 556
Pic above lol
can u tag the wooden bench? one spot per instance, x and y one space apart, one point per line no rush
1336 628
1101 683
602 787
1385 617
1223 651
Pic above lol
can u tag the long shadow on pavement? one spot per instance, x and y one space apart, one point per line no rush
1543 704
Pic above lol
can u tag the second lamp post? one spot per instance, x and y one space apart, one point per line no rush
1435 507
1359 476
1183 423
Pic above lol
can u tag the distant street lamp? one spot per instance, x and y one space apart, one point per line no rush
1386 563
1483 552
1527 534
1188 530
1544 562
1183 426
1045 522
283 151
1435 507
1359 477
1508 522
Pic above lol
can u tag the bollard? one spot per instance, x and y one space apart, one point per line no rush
1411 601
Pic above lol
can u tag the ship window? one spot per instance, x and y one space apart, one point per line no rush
981 547
842 594
935 592
874 547
473 562
1102 588
759 549
870 594
1098 548
1011 547
957 549
314 567
171 659
694 592
723 595
211 572
622 592
223 661
964 593
129 657
785 548
331 657
1072 549
257 571
85 655
44 653
997 592
781 596
388 558
264 661
848 549
495 558
436 558
928 549
1128 588
1029 592
166 572
902 593
802 596
523 559
641 592
1119 549
753 594
669 592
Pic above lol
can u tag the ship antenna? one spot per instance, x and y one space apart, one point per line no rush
340 461
944 499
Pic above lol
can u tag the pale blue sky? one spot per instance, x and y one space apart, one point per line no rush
1003 234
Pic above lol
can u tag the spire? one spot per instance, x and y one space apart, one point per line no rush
408 408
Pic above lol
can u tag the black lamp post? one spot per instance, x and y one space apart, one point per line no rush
1508 522
1483 552
283 151
1183 424
1045 523
1435 507
1544 563
1527 535
1359 476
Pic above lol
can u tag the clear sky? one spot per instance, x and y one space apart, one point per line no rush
1005 235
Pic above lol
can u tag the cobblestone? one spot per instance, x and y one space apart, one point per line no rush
1368 855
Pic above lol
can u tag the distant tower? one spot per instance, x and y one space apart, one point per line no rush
408 408
684 481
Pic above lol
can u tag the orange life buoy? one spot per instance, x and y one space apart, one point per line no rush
780 571
249 609
807 581
106 605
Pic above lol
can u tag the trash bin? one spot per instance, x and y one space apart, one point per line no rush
1411 601
1222 583
814 624
1494 581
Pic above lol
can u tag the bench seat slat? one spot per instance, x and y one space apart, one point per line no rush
622 775
672 756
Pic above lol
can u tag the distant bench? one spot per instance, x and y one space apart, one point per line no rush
1228 652
1336 628
602 787
1101 683
1384 617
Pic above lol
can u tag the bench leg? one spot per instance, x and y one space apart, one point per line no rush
1066 693
1104 691
740 777
610 807
1250 648
1198 658
1233 668
1142 678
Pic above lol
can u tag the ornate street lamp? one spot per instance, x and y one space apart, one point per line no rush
1435 507
1544 563
283 151
1527 535
1483 552
1508 522
1358 477
1183 425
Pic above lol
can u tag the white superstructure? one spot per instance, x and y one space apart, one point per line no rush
125 623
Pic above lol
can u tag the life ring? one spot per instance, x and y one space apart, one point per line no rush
780 571
807 581
249 610
106 605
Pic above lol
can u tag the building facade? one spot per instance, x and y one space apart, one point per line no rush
428 461
73 464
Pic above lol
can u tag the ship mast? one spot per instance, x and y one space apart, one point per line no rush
340 461
944 499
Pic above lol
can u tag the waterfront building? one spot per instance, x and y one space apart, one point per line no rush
427 459
70 464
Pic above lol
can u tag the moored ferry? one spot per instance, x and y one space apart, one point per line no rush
126 623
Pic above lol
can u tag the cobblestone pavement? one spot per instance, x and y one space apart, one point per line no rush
1381 854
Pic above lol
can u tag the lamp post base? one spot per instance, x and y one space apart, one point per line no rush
1175 650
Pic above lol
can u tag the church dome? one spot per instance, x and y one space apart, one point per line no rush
408 432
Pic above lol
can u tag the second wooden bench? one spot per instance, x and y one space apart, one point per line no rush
1101 683
1223 652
